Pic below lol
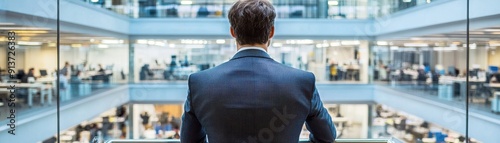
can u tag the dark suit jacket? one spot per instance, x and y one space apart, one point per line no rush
253 98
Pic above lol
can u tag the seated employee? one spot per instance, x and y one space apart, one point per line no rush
75 78
101 70
495 78
31 74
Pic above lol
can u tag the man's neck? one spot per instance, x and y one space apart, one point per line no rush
263 46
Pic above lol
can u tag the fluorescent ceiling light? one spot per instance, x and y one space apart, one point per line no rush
194 41
94 0
1 23
325 44
471 46
23 28
76 45
195 46
52 44
29 43
102 46
492 30
394 47
333 2
445 48
382 43
31 32
350 42
171 45
277 44
322 45
220 41
159 43
112 41
25 38
142 42
494 43
151 42
334 44
406 0
186 2
307 41
319 45
416 44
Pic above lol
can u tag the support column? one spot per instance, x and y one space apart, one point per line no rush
371 60
130 121
131 58
370 120
322 8
364 56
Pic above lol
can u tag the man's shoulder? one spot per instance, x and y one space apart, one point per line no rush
278 67
297 72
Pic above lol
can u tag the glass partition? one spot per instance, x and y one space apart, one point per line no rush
342 61
330 9
25 88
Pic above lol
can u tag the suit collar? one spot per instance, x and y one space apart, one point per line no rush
251 53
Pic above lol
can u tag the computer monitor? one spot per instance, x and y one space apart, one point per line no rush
493 69
451 71
43 72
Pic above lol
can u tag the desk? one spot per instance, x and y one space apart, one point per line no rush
340 121
32 89
495 86
462 82
46 80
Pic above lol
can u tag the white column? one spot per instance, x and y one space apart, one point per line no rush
363 60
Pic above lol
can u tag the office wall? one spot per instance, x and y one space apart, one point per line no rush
145 54
3 57
494 56
39 57
116 55
73 55
478 56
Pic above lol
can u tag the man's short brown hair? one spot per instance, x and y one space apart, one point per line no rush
252 21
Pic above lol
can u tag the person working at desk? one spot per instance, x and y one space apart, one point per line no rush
63 81
495 78
75 79
101 70
66 70
31 74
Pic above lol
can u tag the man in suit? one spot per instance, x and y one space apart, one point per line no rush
252 98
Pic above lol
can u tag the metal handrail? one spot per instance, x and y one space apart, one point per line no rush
389 140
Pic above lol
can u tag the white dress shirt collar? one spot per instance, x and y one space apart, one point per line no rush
248 48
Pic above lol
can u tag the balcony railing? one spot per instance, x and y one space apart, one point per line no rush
390 140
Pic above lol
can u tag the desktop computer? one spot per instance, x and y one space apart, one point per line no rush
43 73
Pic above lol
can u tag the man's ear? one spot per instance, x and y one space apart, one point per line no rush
231 30
271 33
